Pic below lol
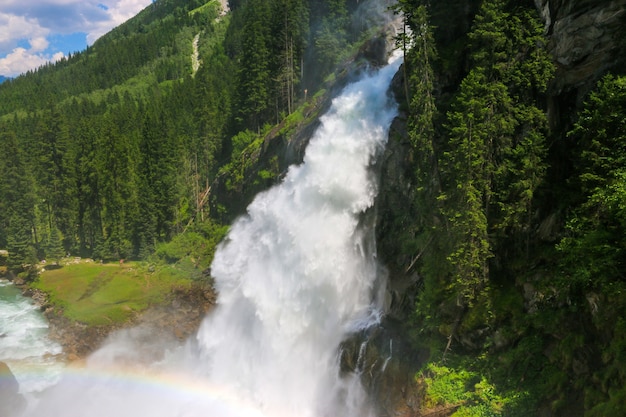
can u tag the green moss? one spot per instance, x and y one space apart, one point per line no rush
291 122
445 386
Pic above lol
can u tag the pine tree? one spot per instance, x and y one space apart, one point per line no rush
290 21
16 204
480 126
494 159
420 77
54 249
331 39
254 74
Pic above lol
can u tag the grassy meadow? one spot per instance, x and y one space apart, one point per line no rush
108 293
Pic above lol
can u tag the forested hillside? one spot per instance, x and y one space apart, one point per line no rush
512 233
113 151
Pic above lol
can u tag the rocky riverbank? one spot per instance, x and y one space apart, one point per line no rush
178 317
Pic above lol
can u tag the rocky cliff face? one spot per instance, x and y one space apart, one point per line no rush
586 39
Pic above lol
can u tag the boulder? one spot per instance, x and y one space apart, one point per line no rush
11 401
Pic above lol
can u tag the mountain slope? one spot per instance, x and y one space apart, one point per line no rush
120 143
154 46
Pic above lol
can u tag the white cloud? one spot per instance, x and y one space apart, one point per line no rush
22 60
14 28
94 17
38 44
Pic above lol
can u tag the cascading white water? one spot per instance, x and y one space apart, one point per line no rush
295 276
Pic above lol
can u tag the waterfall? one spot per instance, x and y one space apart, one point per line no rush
295 276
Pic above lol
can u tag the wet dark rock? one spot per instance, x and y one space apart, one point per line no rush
11 401
587 40
387 363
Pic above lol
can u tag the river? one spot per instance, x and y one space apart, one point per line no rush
25 347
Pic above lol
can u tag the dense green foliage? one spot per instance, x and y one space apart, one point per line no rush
591 257
114 144
115 150
535 308
465 393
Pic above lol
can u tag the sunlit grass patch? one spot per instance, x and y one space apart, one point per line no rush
97 294
466 393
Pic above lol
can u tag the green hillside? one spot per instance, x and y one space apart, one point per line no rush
113 151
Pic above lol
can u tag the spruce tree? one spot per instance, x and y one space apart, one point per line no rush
17 204
54 250
494 159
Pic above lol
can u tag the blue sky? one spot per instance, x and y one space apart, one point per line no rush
33 32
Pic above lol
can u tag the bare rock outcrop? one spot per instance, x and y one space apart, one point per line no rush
586 40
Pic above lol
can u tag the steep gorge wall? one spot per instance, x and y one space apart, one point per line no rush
586 39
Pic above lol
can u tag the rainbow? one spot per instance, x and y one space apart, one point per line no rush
133 392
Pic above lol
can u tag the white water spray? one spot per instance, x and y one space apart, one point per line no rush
295 276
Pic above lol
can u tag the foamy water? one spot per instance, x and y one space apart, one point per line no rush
24 343
298 273
295 276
